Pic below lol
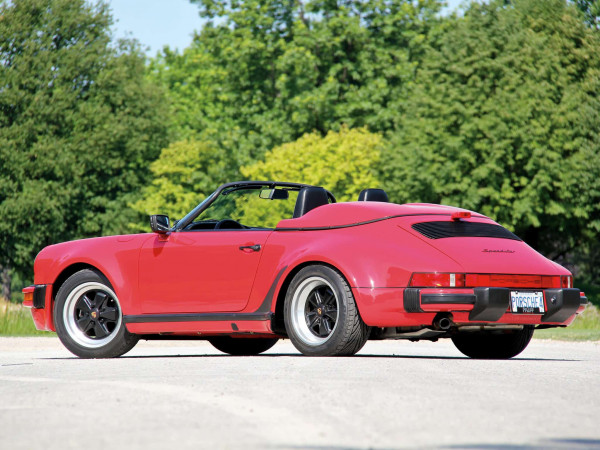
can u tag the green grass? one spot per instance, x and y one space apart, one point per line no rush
15 320
585 327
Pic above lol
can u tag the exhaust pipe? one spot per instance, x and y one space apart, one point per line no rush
442 322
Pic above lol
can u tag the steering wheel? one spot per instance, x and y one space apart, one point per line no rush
228 224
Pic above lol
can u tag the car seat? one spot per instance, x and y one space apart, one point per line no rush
372 195
310 198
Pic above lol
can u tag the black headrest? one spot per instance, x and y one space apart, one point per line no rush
372 195
308 199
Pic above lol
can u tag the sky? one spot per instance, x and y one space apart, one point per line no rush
156 23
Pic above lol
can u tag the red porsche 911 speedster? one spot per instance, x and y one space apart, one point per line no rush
259 261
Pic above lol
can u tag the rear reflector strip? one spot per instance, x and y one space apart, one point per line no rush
472 280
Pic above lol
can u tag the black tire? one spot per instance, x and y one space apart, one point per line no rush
88 317
242 346
321 317
493 345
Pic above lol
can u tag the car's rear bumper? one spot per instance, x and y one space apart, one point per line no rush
386 307
40 302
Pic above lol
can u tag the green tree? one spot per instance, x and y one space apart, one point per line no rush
342 162
591 12
78 125
262 73
504 119
186 173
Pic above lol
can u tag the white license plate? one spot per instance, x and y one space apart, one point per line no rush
527 302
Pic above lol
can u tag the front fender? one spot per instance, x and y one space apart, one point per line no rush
117 257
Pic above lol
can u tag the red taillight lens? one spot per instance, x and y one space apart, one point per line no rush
436 279
461 215
471 280
566 282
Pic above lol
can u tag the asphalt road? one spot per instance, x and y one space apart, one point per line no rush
393 394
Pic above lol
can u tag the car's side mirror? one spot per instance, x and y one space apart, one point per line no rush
159 223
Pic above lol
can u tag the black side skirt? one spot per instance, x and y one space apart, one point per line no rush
204 317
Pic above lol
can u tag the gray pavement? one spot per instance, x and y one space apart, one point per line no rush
393 394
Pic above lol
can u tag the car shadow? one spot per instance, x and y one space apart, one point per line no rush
298 355
544 444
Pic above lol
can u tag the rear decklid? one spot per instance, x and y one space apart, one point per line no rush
480 245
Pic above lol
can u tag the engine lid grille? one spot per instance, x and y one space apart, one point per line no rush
445 229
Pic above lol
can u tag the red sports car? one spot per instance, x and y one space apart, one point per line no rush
259 261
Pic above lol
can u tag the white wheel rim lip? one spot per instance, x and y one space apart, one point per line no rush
69 315
298 311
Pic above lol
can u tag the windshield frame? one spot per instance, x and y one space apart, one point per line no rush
205 204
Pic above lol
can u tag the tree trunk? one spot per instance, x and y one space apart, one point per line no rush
5 282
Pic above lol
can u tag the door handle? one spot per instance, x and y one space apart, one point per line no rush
254 248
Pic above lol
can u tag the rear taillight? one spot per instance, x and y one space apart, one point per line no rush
436 279
471 280
566 282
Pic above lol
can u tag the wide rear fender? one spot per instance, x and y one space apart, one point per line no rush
375 255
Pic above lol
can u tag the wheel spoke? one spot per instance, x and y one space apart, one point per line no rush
84 304
312 321
100 299
312 300
326 326
331 313
318 297
330 296
110 314
84 324
100 330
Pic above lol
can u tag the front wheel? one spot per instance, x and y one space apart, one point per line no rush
242 346
493 345
321 317
88 317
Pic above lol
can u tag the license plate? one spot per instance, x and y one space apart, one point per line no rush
527 302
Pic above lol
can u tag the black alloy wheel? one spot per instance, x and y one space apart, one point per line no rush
320 313
88 317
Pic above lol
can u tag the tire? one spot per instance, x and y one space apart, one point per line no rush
242 346
488 345
88 317
321 317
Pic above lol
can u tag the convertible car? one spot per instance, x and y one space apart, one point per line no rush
259 261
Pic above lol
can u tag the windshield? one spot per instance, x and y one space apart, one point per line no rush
251 206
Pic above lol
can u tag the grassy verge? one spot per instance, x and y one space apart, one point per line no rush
585 327
15 320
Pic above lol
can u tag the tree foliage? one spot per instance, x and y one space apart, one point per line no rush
342 162
504 118
185 173
78 124
262 73
591 12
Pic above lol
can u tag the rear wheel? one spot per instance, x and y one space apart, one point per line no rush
242 346
88 317
493 345
321 317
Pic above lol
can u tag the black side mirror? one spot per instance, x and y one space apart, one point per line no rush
159 223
